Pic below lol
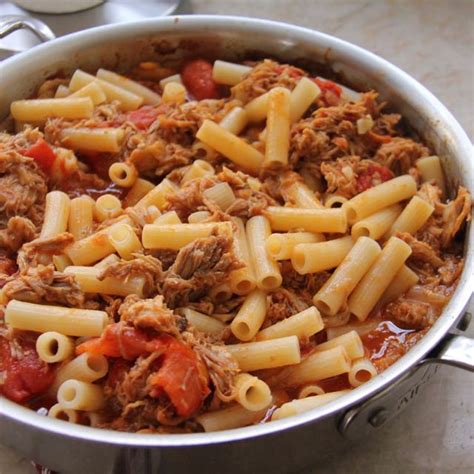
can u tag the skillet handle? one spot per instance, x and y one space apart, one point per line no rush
11 23
454 350
457 351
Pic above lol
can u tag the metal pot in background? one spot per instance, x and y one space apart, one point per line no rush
290 444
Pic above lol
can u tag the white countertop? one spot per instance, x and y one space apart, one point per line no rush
430 40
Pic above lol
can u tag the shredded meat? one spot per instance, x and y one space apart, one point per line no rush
421 251
127 394
41 250
42 284
331 133
265 76
282 304
250 201
221 365
159 158
22 188
411 314
199 266
400 154
342 175
145 266
189 198
151 314
7 269
420 307
18 231
180 123
455 214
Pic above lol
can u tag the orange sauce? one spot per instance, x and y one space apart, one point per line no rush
386 335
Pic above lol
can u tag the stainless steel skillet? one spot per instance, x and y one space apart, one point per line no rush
291 444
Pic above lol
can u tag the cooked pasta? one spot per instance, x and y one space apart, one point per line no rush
208 245
252 393
267 272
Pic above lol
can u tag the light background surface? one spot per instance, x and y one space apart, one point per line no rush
434 42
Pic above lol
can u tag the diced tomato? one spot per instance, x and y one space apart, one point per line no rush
119 340
379 138
374 175
330 91
143 117
326 85
24 376
197 77
42 153
290 70
183 377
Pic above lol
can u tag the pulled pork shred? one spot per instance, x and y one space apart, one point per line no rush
199 266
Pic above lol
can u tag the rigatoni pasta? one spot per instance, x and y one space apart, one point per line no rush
266 354
378 278
278 129
231 146
311 220
41 109
267 272
242 281
319 256
380 196
56 214
413 217
334 293
250 317
303 324
44 318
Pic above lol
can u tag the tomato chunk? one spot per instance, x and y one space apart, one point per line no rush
182 377
24 376
327 85
330 91
42 153
197 77
374 175
143 117
119 340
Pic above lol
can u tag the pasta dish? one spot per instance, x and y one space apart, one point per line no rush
209 245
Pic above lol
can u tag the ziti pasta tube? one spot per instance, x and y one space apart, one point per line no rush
242 281
314 258
310 220
380 196
296 407
267 271
176 236
44 318
277 142
378 278
231 146
37 110
266 354
334 293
